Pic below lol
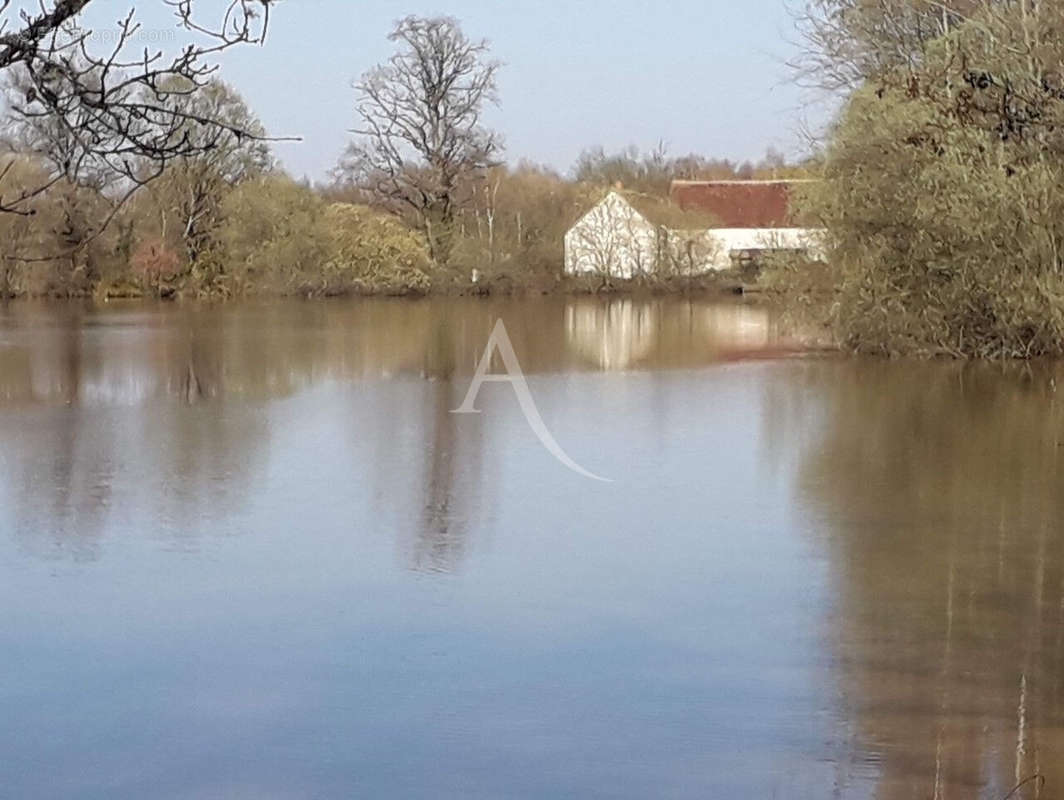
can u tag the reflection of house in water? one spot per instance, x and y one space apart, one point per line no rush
612 335
622 334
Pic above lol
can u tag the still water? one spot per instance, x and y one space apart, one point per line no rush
248 552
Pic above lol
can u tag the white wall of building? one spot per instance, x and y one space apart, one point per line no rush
732 240
613 239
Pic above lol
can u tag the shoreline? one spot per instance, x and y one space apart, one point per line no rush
720 284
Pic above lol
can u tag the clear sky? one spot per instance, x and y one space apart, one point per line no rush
704 76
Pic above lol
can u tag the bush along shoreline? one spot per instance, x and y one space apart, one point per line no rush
943 181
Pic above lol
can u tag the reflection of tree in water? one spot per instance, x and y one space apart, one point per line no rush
171 380
68 470
59 499
167 475
453 462
939 487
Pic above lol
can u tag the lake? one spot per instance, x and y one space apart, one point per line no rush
247 551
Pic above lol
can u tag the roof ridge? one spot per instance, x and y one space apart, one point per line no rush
725 182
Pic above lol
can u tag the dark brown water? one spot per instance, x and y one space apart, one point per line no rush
248 552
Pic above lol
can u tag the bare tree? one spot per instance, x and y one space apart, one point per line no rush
116 110
422 145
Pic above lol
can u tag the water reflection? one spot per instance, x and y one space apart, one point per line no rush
613 335
453 462
936 491
129 354
120 361
67 476
631 334
880 612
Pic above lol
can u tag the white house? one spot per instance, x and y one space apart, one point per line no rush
743 218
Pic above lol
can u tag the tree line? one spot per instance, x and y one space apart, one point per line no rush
121 178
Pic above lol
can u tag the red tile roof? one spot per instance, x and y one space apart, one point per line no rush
738 204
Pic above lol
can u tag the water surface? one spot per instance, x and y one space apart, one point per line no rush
247 551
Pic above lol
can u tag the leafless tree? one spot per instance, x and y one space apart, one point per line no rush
115 111
422 145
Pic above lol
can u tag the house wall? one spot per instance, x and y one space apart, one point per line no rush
613 239
730 240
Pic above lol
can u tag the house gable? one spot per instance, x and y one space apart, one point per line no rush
613 238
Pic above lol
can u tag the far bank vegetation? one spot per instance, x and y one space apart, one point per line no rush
421 202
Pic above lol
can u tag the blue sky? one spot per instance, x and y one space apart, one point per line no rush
701 75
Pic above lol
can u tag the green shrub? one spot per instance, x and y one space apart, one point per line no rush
274 238
944 209
281 237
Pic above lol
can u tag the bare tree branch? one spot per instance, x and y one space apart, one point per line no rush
117 111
